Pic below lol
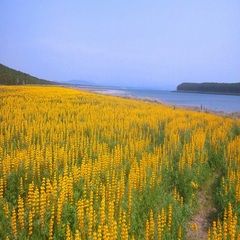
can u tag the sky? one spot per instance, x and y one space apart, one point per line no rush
146 44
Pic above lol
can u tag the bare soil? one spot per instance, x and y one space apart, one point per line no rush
206 212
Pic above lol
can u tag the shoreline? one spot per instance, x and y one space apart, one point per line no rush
201 92
123 94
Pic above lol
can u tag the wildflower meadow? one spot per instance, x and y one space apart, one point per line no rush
78 165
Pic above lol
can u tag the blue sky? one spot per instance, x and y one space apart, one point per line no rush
155 44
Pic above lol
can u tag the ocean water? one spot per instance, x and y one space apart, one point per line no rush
216 102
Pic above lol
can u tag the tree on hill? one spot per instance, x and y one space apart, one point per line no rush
9 76
210 87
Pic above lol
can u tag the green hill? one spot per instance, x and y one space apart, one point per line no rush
210 87
9 76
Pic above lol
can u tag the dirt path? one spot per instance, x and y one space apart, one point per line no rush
205 213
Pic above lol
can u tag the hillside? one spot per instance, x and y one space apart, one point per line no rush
9 76
210 87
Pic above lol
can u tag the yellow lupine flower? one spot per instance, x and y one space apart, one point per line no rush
92 156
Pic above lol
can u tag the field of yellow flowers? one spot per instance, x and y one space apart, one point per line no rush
78 165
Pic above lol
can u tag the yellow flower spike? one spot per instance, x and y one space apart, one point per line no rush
43 198
99 233
1 188
6 209
175 193
68 233
209 234
219 227
51 223
169 223
159 225
14 222
77 235
60 208
147 230
151 225
30 223
21 186
180 233
102 213
20 211
80 214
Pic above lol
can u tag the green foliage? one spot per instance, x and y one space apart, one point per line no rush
236 129
227 88
9 76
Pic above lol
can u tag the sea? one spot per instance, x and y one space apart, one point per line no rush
214 102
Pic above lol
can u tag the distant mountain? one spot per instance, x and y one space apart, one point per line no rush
9 76
80 82
210 87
